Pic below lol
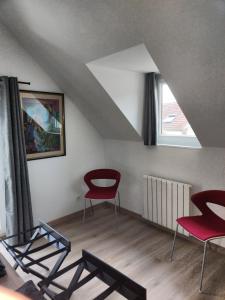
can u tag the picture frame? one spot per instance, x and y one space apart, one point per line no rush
43 115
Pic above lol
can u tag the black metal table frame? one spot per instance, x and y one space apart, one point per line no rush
42 231
115 280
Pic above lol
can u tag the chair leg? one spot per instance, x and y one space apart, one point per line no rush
173 246
92 207
115 206
203 265
84 210
119 200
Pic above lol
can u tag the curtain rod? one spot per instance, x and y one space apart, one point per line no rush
21 82
24 82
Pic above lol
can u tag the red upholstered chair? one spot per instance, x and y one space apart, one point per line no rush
207 226
102 192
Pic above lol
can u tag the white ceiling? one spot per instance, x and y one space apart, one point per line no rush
185 39
135 59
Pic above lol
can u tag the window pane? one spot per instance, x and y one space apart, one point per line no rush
173 121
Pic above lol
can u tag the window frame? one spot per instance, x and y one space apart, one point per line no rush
171 140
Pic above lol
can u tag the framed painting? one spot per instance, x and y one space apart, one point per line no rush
44 124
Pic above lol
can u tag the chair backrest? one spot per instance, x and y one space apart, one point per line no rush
102 174
212 196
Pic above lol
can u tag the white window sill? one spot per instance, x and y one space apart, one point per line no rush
180 146
179 142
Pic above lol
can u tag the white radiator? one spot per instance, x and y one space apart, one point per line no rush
165 201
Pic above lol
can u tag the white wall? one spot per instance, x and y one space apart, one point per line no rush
126 88
203 168
55 182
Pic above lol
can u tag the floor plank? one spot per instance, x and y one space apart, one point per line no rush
142 252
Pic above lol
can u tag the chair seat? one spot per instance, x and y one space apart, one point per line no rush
201 227
101 193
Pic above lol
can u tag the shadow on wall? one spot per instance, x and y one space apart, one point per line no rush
131 187
79 188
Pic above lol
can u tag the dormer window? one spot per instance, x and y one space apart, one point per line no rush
173 127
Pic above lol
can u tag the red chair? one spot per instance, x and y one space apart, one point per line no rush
102 192
207 226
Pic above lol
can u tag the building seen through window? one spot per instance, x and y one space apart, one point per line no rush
173 121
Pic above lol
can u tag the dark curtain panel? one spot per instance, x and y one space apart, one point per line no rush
17 190
150 103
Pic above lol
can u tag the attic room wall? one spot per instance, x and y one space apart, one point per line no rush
185 39
56 183
126 88
203 168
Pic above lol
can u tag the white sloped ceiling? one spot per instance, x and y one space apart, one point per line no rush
122 75
186 39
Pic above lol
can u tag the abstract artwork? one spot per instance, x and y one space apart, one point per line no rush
44 124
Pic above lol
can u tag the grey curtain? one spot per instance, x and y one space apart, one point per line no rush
17 190
150 104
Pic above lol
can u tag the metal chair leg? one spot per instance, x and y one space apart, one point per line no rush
84 210
115 206
92 207
173 246
203 265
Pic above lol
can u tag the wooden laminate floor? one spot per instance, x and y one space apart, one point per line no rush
142 252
